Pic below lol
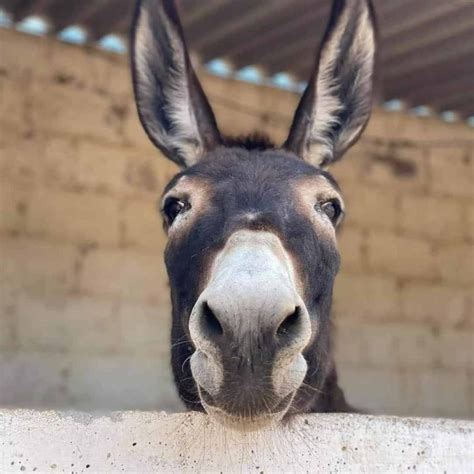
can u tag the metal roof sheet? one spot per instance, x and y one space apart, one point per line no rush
426 46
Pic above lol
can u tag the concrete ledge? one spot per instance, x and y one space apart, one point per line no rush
145 441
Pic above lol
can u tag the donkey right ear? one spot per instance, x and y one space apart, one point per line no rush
172 106
336 104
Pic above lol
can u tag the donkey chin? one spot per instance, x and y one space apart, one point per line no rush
243 408
249 327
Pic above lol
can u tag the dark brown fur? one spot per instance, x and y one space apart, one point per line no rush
251 176
261 182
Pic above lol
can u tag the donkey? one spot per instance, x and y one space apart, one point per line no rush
251 254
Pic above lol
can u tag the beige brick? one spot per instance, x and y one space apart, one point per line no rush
34 380
391 345
59 165
8 320
23 55
382 343
470 311
403 127
452 171
437 392
470 223
350 343
366 297
133 132
252 96
418 346
13 101
74 217
41 323
456 263
471 394
434 304
398 166
74 67
434 218
401 256
123 383
86 382
96 70
92 325
379 391
456 349
233 121
347 171
53 61
370 207
378 127
14 205
350 242
21 154
37 267
276 123
84 165
143 225
251 112
68 324
351 169
101 168
116 78
147 173
76 111
128 274
142 175
145 329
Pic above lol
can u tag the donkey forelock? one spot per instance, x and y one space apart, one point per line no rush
252 253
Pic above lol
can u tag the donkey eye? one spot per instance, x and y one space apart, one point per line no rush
173 207
332 209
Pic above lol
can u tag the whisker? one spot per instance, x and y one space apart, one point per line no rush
184 363
176 344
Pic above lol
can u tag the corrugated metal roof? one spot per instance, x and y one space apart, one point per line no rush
426 46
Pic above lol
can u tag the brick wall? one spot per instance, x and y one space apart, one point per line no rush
84 315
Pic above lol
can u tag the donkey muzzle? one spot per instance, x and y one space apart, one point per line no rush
249 327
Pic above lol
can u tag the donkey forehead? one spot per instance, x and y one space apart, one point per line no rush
259 177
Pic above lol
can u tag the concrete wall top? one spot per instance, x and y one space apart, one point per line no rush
190 442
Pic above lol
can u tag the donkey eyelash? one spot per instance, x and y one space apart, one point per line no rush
173 207
332 208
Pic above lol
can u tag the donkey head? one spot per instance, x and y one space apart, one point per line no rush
252 255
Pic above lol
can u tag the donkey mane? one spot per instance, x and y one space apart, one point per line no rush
254 141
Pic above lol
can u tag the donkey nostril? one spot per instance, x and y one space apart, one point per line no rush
210 323
290 324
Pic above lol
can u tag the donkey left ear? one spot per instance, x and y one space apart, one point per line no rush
336 104
172 106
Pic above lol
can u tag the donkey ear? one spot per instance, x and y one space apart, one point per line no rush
336 104
171 103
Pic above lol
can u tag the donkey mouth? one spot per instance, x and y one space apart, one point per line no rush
245 419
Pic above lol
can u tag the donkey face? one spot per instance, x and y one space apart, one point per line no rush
252 253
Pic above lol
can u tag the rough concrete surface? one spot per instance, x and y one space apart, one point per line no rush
145 441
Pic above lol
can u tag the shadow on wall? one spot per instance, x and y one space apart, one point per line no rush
84 315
